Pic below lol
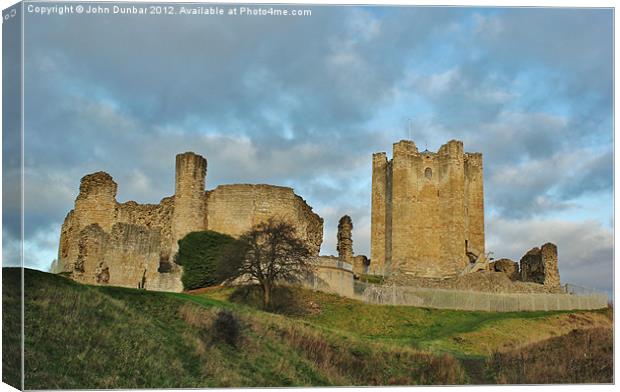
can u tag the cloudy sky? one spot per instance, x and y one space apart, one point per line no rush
305 101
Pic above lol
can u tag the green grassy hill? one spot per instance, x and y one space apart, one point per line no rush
86 337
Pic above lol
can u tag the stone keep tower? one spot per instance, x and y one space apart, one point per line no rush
427 211
189 197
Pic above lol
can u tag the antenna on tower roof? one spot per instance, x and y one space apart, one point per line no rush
409 126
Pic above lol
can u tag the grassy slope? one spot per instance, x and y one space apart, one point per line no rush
81 336
104 337
464 334
11 331
473 337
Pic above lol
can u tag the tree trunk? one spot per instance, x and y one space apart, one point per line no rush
266 296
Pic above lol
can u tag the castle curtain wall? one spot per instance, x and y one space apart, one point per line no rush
134 245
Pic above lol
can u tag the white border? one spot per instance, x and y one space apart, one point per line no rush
473 3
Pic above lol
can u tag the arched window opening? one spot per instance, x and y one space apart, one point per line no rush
428 173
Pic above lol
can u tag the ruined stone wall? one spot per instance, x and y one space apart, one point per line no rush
68 247
540 265
106 242
152 216
128 256
92 243
427 210
235 209
344 244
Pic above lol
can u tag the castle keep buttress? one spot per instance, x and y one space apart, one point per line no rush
427 211
134 245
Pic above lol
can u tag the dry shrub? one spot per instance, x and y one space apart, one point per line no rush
199 345
214 325
581 356
442 370
197 316
216 365
609 311
373 364
227 327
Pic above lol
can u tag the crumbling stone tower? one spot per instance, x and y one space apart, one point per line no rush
189 197
345 242
540 265
427 211
96 202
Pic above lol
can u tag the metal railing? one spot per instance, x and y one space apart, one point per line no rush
572 299
570 288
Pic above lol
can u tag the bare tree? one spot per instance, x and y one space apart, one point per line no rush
269 253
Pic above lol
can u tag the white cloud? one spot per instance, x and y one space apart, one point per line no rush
363 25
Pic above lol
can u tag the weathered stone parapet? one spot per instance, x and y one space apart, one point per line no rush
454 149
540 265
345 240
404 148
